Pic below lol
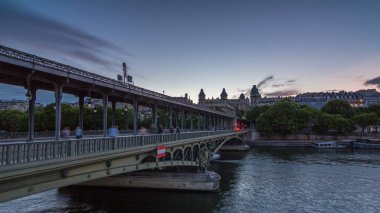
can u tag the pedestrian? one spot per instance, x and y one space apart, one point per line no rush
159 131
143 131
113 132
66 133
171 130
78 133
177 130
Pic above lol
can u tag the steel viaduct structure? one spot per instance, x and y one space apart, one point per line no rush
33 73
32 166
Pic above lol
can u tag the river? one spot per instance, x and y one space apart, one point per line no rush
261 180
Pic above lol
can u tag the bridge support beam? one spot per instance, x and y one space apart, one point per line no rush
199 121
32 101
183 119
105 103
191 120
176 118
135 116
213 125
204 121
155 109
170 117
81 104
58 99
113 123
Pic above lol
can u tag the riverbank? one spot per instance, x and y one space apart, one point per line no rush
282 143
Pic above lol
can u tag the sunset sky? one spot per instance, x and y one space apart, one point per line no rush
181 46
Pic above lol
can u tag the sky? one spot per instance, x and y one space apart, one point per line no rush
179 46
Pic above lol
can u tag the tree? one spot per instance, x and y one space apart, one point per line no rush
339 107
308 117
281 118
364 120
255 113
375 108
13 121
340 124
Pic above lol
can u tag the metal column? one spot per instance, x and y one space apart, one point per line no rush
182 119
81 104
105 103
135 116
199 121
155 109
204 121
58 99
170 117
113 113
191 120
176 119
32 101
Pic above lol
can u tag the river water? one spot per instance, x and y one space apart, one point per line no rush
261 180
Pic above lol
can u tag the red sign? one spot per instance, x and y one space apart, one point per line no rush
160 151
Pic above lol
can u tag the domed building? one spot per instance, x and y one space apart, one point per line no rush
225 104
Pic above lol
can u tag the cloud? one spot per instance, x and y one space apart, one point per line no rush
282 93
332 90
246 92
373 82
23 26
265 81
286 83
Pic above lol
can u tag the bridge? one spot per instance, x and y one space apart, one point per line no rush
31 167
37 73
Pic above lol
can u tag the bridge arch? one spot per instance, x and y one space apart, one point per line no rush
222 142
148 159
195 152
187 154
178 154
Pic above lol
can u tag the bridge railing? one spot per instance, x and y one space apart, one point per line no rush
22 152
51 134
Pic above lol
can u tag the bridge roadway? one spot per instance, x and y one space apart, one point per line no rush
37 73
31 167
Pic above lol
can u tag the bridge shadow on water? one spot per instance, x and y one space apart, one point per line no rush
110 199
91 199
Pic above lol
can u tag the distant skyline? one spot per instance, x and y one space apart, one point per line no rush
179 47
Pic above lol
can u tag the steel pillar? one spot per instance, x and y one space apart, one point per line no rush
155 109
182 119
170 117
32 101
58 99
204 121
191 120
199 121
176 119
214 121
135 116
105 109
81 104
113 113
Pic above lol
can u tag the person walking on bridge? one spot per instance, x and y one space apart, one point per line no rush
78 133
159 131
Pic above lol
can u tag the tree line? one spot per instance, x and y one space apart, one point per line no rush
335 117
44 120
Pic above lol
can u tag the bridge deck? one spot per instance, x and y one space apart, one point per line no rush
22 152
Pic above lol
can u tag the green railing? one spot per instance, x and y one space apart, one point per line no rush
22 152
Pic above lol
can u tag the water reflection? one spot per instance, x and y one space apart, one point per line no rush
261 180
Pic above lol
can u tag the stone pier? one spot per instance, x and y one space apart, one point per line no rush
193 181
